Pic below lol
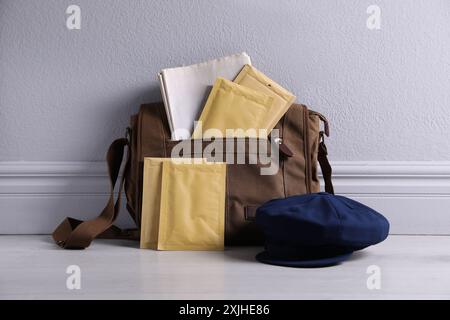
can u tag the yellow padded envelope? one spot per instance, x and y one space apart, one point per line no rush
183 205
232 106
151 201
254 79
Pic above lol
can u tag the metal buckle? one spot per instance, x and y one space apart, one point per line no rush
321 137
128 134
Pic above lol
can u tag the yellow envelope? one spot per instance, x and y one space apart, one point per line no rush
151 202
183 205
232 106
254 79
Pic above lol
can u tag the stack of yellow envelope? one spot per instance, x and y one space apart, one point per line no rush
233 111
243 107
183 205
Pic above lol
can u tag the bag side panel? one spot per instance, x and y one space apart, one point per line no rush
152 131
314 136
294 172
130 180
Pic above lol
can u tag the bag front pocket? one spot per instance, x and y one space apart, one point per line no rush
247 185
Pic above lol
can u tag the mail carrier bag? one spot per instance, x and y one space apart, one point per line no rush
302 147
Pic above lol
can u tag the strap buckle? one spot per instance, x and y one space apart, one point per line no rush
128 134
322 145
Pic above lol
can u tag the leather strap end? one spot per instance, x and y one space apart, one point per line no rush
77 234
62 233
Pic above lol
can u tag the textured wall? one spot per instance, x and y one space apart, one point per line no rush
64 95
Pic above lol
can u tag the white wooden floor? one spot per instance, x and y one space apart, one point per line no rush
32 267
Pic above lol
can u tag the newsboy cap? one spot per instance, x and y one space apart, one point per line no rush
317 230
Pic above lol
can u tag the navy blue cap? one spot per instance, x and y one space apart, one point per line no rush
317 230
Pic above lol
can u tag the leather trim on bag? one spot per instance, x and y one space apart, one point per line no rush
250 212
307 151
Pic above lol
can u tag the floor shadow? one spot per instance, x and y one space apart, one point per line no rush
249 253
48 240
242 253
132 244
357 255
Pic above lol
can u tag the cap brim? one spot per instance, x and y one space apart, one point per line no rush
264 257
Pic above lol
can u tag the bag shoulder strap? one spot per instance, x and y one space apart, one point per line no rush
77 234
325 165
323 153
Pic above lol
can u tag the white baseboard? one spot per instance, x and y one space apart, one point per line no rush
414 196
36 196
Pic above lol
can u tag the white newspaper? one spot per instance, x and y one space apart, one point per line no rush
185 90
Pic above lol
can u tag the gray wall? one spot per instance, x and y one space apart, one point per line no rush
64 95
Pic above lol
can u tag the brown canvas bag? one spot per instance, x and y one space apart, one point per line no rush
301 146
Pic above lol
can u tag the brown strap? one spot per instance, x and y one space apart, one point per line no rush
77 234
325 165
